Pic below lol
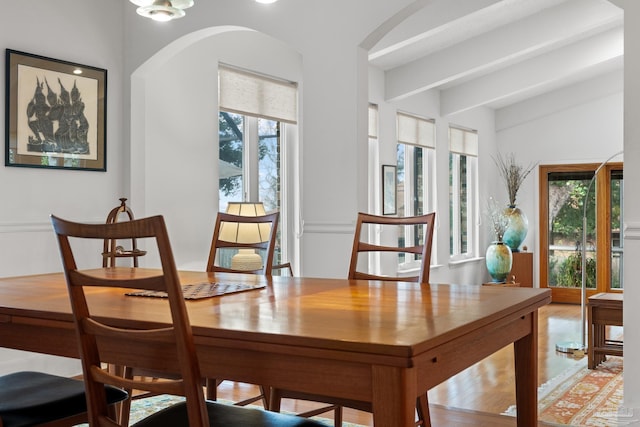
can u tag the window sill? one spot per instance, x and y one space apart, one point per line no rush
413 271
465 261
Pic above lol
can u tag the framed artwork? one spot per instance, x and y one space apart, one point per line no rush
389 190
55 113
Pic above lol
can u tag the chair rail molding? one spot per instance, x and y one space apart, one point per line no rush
632 230
25 227
328 227
30 227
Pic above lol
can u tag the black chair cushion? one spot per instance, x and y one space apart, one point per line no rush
29 398
225 415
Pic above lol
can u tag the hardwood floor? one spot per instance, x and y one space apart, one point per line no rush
476 396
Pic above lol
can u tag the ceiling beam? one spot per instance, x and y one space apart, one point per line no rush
506 45
530 75
420 29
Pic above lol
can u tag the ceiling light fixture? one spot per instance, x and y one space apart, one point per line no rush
266 1
162 10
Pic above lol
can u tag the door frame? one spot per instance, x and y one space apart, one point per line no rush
603 235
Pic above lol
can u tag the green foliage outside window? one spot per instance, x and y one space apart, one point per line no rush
231 145
570 272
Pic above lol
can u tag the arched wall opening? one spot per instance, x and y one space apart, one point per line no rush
174 128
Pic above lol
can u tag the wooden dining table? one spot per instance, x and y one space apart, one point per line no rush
373 341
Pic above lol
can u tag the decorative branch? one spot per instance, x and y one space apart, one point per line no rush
499 221
513 174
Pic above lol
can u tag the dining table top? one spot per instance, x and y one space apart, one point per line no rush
383 318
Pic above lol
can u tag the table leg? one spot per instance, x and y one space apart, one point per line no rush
526 366
394 396
591 331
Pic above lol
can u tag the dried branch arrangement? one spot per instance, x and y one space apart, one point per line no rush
513 174
499 221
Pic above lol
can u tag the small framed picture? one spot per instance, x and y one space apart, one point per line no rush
55 113
389 190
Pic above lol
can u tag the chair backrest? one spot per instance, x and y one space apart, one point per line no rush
237 232
364 244
283 270
174 342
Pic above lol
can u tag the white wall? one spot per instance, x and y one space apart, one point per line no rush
88 32
632 201
578 124
176 144
427 105
332 139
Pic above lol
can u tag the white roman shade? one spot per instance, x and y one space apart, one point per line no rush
416 130
463 141
253 94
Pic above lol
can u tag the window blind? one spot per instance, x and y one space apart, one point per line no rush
463 141
416 130
253 94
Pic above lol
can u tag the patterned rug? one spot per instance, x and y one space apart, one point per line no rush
581 396
141 408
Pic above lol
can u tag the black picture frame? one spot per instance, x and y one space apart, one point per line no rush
389 190
56 113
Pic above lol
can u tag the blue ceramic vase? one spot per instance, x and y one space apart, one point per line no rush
516 232
498 259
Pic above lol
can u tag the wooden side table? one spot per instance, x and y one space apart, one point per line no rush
522 269
502 285
604 309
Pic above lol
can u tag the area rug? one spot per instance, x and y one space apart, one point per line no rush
581 396
141 408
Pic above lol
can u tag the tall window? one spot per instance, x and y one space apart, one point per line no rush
254 109
463 192
415 161
249 160
374 159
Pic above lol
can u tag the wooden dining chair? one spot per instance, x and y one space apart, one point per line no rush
283 269
415 233
243 238
103 340
29 398
252 240
418 230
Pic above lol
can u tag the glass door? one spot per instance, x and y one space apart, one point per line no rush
573 200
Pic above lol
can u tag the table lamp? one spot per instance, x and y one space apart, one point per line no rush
245 259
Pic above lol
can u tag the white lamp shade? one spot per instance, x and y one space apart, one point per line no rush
243 232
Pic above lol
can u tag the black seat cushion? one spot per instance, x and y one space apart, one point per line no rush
225 415
29 398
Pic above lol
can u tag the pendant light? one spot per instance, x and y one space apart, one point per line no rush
162 10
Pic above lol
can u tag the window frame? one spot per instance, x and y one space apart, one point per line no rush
415 132
258 96
469 151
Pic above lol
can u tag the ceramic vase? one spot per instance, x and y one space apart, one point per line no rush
499 260
517 230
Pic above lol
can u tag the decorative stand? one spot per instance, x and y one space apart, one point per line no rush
111 249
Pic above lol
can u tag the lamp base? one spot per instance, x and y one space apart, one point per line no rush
572 347
246 260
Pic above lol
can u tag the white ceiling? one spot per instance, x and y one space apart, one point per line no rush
498 52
